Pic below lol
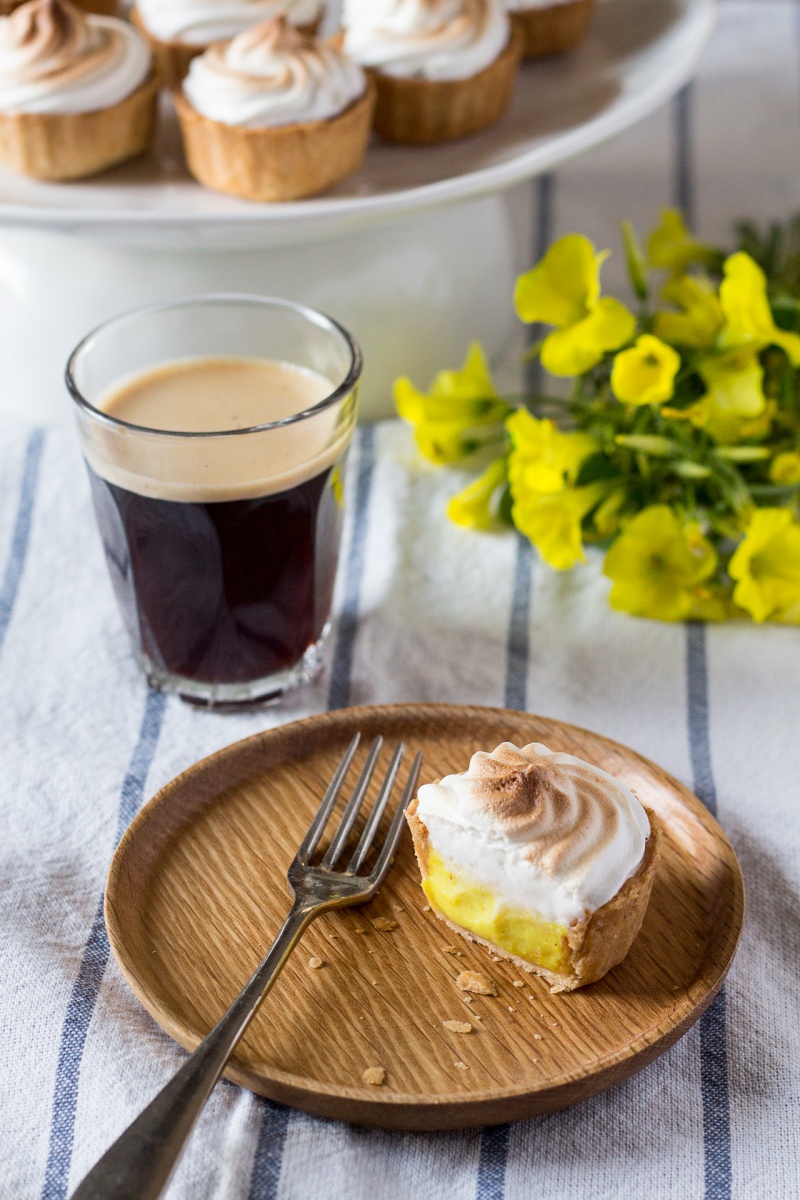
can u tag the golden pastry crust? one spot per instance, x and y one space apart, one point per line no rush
284 162
597 943
423 111
553 30
58 146
172 57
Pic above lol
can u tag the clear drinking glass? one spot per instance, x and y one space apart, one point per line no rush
222 546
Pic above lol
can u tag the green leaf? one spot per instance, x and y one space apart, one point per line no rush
691 470
634 257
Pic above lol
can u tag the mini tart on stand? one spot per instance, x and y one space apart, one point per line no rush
510 796
85 99
173 55
554 28
422 108
274 151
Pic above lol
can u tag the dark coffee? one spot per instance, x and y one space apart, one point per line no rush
222 547
226 592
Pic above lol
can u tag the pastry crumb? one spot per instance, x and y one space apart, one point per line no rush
315 963
399 908
454 950
374 1076
510 1009
384 924
360 931
495 958
538 1037
517 983
458 1026
462 1066
426 908
473 981
467 999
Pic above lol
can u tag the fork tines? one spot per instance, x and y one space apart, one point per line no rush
353 808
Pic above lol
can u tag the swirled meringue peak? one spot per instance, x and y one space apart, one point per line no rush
56 59
272 75
426 39
546 832
200 22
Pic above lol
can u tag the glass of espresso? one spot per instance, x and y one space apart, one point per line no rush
215 431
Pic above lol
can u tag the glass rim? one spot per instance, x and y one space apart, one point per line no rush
243 299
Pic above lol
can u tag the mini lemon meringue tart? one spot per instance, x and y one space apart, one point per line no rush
551 26
179 30
545 859
444 68
77 93
274 114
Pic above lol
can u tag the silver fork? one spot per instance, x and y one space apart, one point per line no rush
139 1164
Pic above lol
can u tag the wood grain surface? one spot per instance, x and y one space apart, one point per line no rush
197 890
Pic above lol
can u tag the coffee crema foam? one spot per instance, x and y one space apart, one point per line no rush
212 398
545 831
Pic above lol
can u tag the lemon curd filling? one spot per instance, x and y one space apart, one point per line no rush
477 909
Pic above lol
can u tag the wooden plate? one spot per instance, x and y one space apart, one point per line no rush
197 889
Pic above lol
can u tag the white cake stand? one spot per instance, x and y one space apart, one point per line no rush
406 253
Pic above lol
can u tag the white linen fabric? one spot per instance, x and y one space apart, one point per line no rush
425 612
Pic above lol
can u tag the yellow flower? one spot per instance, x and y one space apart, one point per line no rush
785 468
461 413
645 374
701 319
564 290
766 565
543 459
553 523
673 247
734 407
658 566
472 507
743 295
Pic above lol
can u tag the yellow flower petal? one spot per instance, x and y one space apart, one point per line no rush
543 459
734 400
472 507
766 566
645 374
785 468
562 288
460 413
701 319
656 565
743 295
553 523
581 346
672 246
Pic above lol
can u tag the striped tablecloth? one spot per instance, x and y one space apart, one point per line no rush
425 612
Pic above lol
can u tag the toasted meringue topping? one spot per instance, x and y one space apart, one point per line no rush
200 22
547 832
426 39
55 59
272 75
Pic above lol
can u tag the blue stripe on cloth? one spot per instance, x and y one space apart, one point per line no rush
714 1090
342 664
90 974
713 1045
518 652
684 175
494 1140
20 537
275 1118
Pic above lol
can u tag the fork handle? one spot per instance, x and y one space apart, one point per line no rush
139 1164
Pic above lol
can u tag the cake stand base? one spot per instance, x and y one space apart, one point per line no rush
413 291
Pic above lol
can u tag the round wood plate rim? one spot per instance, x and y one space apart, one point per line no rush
371 1105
